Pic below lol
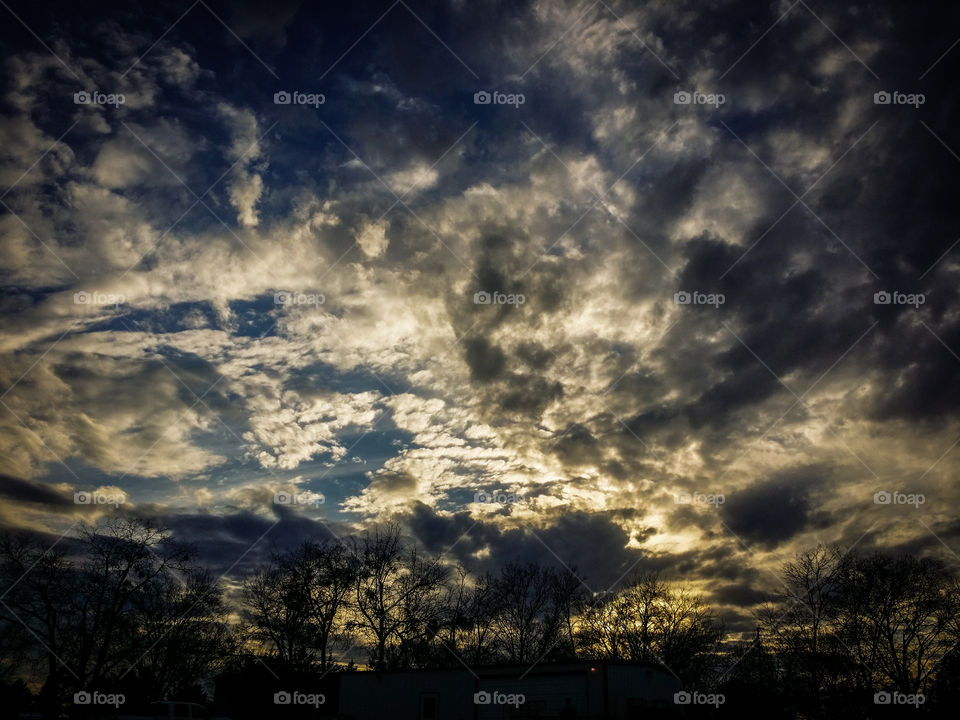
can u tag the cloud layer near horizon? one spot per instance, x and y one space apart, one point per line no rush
209 297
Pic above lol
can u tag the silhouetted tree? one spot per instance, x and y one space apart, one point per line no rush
297 606
899 617
528 621
471 607
801 622
125 605
650 621
399 597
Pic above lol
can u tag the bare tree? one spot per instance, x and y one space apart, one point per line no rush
39 582
297 605
330 575
527 622
849 625
899 616
398 594
481 607
105 611
650 621
184 624
622 624
801 622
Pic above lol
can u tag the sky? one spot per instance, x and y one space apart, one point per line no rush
616 286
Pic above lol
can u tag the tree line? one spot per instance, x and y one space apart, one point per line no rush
128 609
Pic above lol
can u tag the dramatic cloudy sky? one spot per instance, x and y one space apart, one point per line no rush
143 350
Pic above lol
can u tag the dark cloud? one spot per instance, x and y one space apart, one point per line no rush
772 511
237 542
576 445
739 595
485 359
534 355
588 543
599 395
19 490
530 395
